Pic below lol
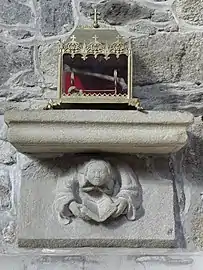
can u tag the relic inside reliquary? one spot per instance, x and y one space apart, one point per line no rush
95 67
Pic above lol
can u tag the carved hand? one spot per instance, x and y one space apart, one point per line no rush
121 206
75 208
78 210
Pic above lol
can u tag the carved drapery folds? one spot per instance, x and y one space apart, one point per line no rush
98 190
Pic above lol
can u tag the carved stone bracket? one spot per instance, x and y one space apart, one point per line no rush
63 131
96 200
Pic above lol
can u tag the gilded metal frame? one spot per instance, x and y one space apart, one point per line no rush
96 47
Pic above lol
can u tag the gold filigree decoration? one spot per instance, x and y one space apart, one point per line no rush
73 47
52 104
136 103
83 94
118 47
95 48
84 51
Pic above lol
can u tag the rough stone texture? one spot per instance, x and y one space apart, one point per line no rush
85 130
143 26
13 12
54 15
9 233
7 154
13 59
5 106
136 15
192 166
3 129
190 10
146 28
21 34
19 94
98 259
119 12
48 59
37 203
160 16
5 190
198 230
177 59
174 96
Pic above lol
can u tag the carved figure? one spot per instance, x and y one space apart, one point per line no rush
98 190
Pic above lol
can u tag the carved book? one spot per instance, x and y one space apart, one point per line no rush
99 207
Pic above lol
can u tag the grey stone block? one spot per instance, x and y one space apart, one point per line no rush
48 60
97 130
21 34
55 14
193 164
39 226
118 12
12 105
190 11
19 94
5 190
168 58
7 153
23 90
102 259
9 233
3 128
13 12
161 16
14 59
12 263
183 96
147 27
143 27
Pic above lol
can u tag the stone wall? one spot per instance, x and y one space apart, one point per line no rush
168 44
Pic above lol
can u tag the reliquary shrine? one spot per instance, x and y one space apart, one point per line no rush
95 67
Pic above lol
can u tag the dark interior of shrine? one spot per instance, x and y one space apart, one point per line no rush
95 75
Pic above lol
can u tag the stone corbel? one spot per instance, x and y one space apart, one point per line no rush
97 199
63 131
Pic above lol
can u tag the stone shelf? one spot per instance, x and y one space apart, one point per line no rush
63 131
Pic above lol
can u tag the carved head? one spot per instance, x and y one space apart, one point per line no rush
97 172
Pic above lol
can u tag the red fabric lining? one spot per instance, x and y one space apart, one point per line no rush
77 82
80 86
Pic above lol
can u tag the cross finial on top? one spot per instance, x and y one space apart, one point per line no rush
96 13
95 38
73 38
